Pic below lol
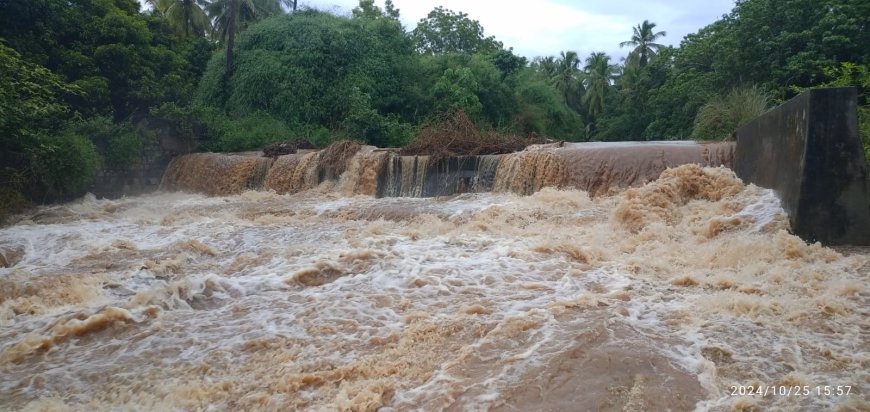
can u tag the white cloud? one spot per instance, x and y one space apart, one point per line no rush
546 27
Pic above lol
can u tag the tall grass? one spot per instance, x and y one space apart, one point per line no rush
720 117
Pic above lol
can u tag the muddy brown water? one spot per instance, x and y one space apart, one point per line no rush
659 297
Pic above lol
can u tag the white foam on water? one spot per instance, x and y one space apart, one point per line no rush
314 301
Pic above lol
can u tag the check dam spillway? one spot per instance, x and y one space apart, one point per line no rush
584 277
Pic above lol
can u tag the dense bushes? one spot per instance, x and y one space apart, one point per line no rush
783 47
64 164
73 73
249 132
120 144
312 70
41 153
361 78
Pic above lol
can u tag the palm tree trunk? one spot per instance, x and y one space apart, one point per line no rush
231 34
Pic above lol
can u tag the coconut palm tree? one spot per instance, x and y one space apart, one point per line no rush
247 12
186 17
567 77
598 76
633 82
545 65
228 16
644 44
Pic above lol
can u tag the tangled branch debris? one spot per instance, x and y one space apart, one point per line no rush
333 160
286 147
457 135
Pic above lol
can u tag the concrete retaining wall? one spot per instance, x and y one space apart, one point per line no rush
809 152
146 174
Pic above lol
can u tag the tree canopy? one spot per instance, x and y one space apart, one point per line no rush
446 31
363 77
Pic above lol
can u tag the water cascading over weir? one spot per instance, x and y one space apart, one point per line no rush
593 167
807 150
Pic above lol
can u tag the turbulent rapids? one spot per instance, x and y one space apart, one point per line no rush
532 286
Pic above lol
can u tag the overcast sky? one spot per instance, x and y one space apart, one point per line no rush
546 27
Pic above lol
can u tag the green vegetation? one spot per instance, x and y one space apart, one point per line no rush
720 117
76 75
120 144
364 77
63 163
643 39
82 82
313 69
779 46
446 31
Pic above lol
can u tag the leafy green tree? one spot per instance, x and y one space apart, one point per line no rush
780 45
467 79
542 110
368 10
694 71
230 16
122 61
446 31
783 43
456 90
120 144
31 99
249 132
508 62
40 155
643 41
62 164
302 67
626 113
74 72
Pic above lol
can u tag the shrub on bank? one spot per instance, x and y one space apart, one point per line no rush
11 202
63 165
120 144
720 117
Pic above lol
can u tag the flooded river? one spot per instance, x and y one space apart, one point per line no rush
681 294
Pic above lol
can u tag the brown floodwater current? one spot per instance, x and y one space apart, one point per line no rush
674 295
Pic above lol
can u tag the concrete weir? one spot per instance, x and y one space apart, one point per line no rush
594 167
809 152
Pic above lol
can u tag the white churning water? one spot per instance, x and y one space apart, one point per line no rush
663 296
